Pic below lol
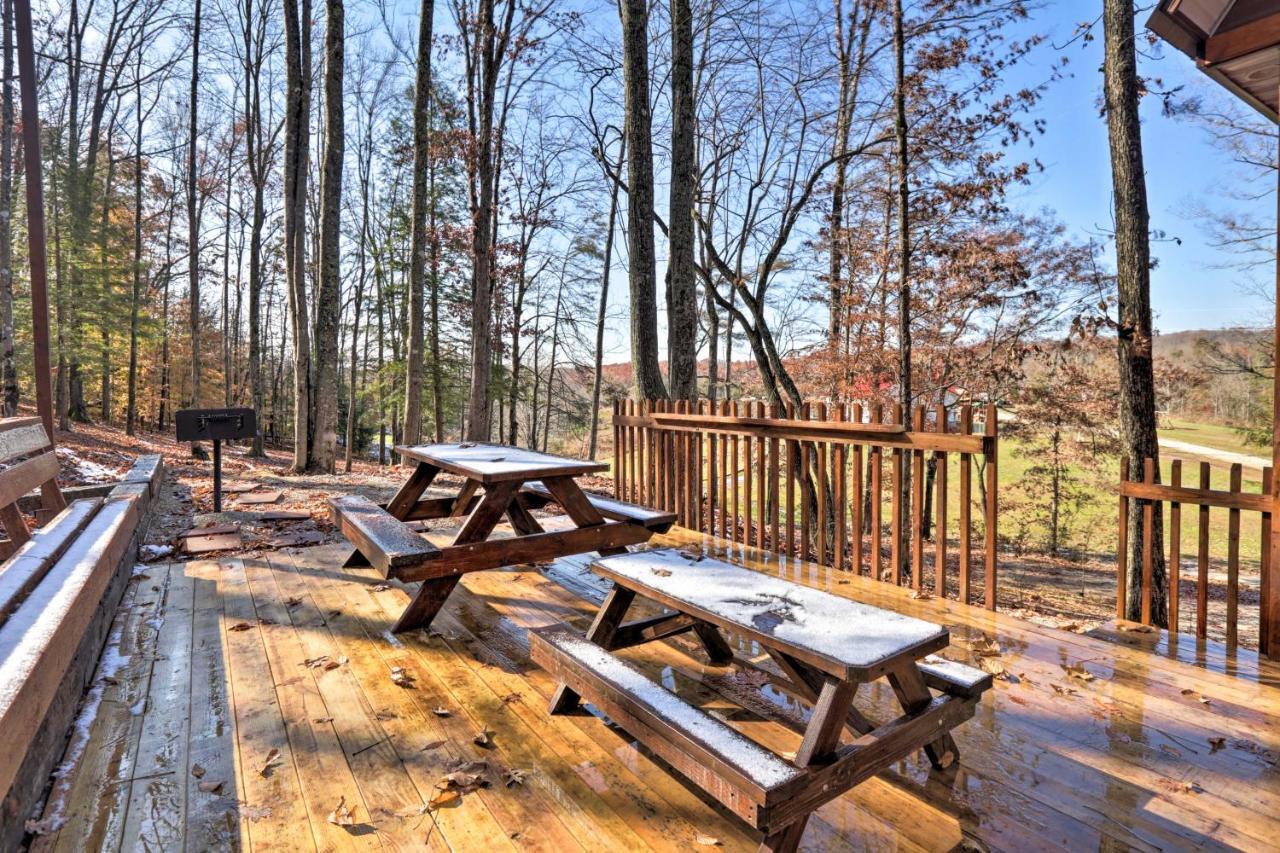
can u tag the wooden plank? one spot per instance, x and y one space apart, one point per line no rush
1148 542
91 788
762 484
212 818
991 516
386 542
157 805
806 453
855 501
20 437
1233 562
35 653
428 745
775 492
725 765
966 506
940 509
1175 546
877 504
748 478
820 488
26 475
498 463
272 801
607 507
793 462
1204 496
20 574
917 505
1266 629
1202 561
336 745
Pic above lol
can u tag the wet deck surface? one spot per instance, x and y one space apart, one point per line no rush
240 700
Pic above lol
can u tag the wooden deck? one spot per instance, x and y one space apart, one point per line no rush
242 699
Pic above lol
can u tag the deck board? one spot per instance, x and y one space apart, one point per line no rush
1127 759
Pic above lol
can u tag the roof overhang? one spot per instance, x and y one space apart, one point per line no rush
1236 42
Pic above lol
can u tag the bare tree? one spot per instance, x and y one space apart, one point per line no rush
297 31
416 361
329 290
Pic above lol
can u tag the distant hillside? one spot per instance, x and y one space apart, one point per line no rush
1174 342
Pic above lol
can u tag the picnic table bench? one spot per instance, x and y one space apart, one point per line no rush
498 481
825 645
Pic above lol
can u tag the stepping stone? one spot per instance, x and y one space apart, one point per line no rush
213 542
212 530
259 497
284 515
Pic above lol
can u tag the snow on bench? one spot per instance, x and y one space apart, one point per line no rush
616 510
846 638
729 766
388 543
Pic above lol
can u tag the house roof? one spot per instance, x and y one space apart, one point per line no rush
1236 42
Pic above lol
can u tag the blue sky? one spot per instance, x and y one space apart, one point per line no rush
1193 286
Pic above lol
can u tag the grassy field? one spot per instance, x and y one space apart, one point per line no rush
1217 436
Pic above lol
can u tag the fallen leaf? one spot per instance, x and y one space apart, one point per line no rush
1217 743
1137 629
331 664
316 662
240 626
444 798
662 573
292 602
380 587
921 595
994 667
1077 670
401 678
708 840
1063 691
984 646
322 720
435 744
511 697
211 787
341 815
197 771
482 738
514 777
273 758
441 712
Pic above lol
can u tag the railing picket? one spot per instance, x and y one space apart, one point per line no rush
917 505
747 481
762 497
990 516
1202 561
1122 553
896 499
1265 637
1175 546
855 504
793 454
734 448
775 489
966 497
820 470
839 496
940 509
1233 561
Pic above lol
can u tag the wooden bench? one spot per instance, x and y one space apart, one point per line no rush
825 646
59 588
659 521
387 543
749 779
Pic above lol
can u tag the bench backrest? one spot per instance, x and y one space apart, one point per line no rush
29 462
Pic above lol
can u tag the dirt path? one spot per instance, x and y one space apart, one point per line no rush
1213 454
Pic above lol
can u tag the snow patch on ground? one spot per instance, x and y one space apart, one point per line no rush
91 472
154 552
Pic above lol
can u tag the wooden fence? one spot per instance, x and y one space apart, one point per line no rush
735 470
1147 496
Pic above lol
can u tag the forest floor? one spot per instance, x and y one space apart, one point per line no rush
1075 595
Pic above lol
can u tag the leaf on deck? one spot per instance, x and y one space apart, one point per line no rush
197 771
514 777
482 739
1077 670
441 712
273 759
708 840
341 815
240 626
402 678
211 787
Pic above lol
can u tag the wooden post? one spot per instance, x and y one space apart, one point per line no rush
1122 553
966 497
1175 546
993 503
1270 620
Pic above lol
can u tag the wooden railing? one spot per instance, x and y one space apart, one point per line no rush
1147 496
735 470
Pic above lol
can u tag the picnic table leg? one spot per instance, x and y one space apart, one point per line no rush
913 694
432 595
808 681
577 506
522 521
713 641
821 737
601 632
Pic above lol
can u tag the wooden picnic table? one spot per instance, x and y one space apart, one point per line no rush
498 481
826 647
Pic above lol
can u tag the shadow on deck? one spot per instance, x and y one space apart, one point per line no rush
240 700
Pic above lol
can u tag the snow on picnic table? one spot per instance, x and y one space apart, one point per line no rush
848 632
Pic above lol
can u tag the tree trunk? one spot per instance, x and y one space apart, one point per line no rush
415 363
297 29
482 234
600 316
1133 286
904 269
131 404
8 363
682 301
646 371
193 212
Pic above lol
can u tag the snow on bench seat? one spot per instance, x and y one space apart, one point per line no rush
743 774
953 677
840 636
616 510
386 542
